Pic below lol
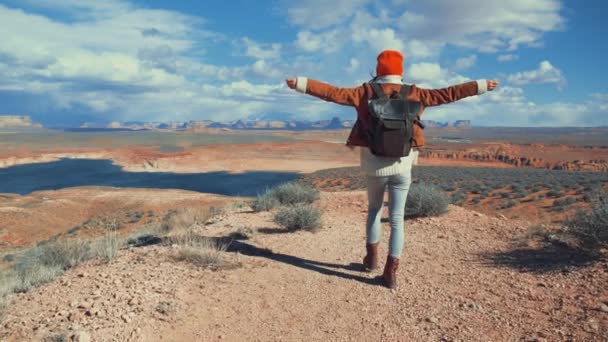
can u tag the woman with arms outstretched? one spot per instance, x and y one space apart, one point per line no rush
384 169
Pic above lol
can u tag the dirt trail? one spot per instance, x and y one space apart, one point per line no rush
460 280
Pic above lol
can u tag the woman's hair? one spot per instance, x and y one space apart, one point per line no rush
373 76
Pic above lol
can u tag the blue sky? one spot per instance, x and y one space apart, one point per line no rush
68 61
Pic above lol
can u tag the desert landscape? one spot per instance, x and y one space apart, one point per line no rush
201 171
504 270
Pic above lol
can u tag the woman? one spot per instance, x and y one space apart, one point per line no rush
391 172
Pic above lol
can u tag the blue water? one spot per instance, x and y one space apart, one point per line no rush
66 173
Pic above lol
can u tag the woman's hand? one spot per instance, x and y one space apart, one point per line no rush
291 83
492 84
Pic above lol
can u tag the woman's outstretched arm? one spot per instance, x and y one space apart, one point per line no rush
327 92
436 97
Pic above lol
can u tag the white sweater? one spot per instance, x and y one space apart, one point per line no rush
387 166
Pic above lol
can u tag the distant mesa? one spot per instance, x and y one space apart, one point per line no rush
17 121
455 124
271 121
254 122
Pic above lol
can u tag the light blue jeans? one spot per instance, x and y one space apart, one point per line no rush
398 187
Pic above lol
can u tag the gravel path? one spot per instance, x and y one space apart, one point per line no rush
461 279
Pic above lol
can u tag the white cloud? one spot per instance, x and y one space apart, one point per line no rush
326 42
353 65
424 72
261 51
465 62
121 61
489 26
507 58
380 39
546 73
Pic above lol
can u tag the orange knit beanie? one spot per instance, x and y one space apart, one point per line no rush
390 62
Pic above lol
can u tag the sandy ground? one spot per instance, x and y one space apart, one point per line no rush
25 220
461 279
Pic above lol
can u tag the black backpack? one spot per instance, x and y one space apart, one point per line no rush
392 122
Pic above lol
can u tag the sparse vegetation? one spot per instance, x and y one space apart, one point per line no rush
285 194
264 202
591 226
186 218
522 184
299 217
510 203
57 338
242 233
426 200
202 252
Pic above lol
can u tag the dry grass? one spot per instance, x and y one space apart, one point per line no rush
108 246
591 226
202 252
186 218
242 233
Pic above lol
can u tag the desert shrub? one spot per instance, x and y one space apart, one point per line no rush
36 275
510 203
591 226
202 252
505 194
264 202
555 193
449 187
63 254
563 202
537 188
457 198
185 218
108 246
476 200
47 261
294 193
426 200
150 234
242 233
285 194
299 217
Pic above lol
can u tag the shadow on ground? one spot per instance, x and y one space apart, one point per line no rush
329 269
545 259
66 173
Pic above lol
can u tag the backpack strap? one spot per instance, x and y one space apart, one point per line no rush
404 92
378 90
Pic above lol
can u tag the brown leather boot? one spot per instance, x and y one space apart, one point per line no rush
389 277
371 259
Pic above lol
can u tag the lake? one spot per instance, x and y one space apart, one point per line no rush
66 173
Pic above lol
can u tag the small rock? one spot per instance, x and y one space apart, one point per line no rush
433 320
474 306
80 336
126 318
593 325
604 308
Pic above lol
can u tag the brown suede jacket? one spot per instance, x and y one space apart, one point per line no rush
358 98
